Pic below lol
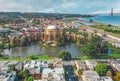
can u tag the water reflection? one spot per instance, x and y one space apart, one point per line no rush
36 50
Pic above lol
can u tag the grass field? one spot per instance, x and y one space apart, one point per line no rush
71 19
38 57
44 57
111 56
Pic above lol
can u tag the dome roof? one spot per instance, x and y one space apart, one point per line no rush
51 27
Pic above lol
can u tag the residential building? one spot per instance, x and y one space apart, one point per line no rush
90 76
117 44
56 74
4 66
91 64
81 65
106 78
19 66
7 76
33 67
115 64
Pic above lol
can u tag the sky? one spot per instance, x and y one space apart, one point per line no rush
60 6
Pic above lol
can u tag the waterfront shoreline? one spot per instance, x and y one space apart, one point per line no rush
94 23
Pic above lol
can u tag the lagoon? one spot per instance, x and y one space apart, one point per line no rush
35 49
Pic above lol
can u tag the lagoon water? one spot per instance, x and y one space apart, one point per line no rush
37 50
115 20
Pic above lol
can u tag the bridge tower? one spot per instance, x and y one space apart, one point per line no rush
111 12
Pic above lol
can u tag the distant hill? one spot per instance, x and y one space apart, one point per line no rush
37 15
17 17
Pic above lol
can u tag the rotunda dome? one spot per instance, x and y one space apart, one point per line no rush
51 27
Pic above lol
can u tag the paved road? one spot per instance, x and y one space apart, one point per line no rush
101 32
67 63
70 72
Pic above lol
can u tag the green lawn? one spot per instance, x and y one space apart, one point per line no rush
71 19
85 58
111 56
82 58
107 29
44 57
38 57
115 55
11 59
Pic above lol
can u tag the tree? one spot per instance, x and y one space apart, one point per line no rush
95 39
47 45
12 67
88 49
65 55
30 78
20 73
79 72
66 31
58 42
1 46
41 42
30 56
95 47
25 73
85 34
101 69
25 78
90 20
81 41
51 65
104 47
74 66
64 38
117 77
109 25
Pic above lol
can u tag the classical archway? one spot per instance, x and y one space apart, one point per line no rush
51 33
51 38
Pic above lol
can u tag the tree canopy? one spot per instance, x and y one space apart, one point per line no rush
117 77
65 55
58 42
12 67
30 78
30 56
95 47
25 73
101 69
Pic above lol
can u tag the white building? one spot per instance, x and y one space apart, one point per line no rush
4 65
106 78
115 64
33 67
91 64
45 64
81 65
117 45
56 74
90 76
